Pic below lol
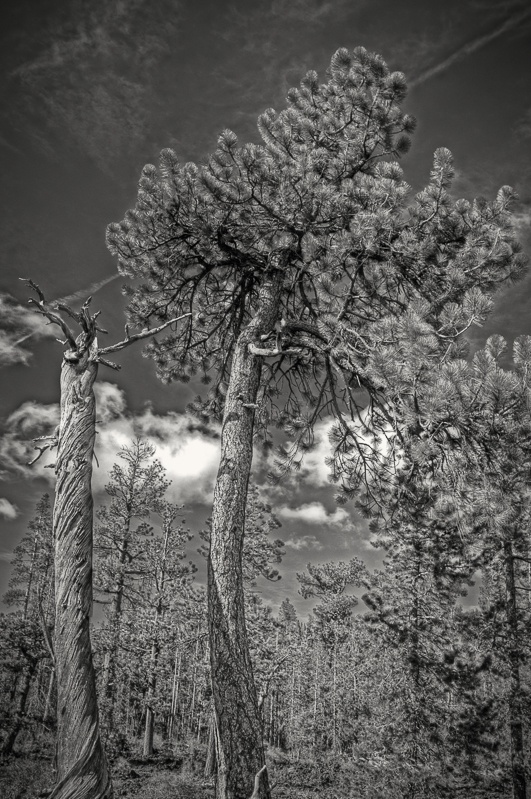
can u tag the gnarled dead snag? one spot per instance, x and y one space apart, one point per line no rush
82 769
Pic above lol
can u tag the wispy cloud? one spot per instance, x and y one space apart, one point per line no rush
314 513
523 126
82 294
27 422
470 47
91 75
303 542
8 510
19 323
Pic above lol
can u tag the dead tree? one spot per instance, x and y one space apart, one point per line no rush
82 770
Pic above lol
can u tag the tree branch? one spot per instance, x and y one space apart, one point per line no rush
136 337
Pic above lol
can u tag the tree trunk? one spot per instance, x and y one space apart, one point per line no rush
109 667
175 693
49 694
21 698
155 647
241 754
148 732
210 764
515 693
82 770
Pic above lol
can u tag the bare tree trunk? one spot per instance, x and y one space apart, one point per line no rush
82 770
160 579
152 685
315 696
515 692
109 667
148 732
194 687
175 692
240 755
210 764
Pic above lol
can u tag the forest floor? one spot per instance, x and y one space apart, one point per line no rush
25 777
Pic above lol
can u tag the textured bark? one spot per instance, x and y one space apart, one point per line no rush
82 771
240 754
515 692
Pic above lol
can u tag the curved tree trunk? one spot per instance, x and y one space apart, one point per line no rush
240 753
82 770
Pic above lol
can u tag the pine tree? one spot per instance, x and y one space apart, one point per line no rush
166 579
307 278
136 489
31 591
488 491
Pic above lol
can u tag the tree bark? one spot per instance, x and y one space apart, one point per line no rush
515 693
109 668
175 693
240 756
21 698
82 770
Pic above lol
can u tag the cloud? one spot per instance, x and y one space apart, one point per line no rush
82 294
309 11
6 556
17 324
8 510
89 80
523 126
470 47
299 542
27 422
110 401
314 513
188 450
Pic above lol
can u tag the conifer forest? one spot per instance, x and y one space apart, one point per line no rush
297 284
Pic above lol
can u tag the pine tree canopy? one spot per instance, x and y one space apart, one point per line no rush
373 287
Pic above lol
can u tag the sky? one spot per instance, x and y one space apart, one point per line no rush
90 92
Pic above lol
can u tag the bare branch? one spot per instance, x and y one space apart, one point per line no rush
110 364
138 336
254 350
256 792
54 318
42 450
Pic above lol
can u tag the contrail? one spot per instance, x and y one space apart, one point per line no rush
469 48
5 143
78 295
88 292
